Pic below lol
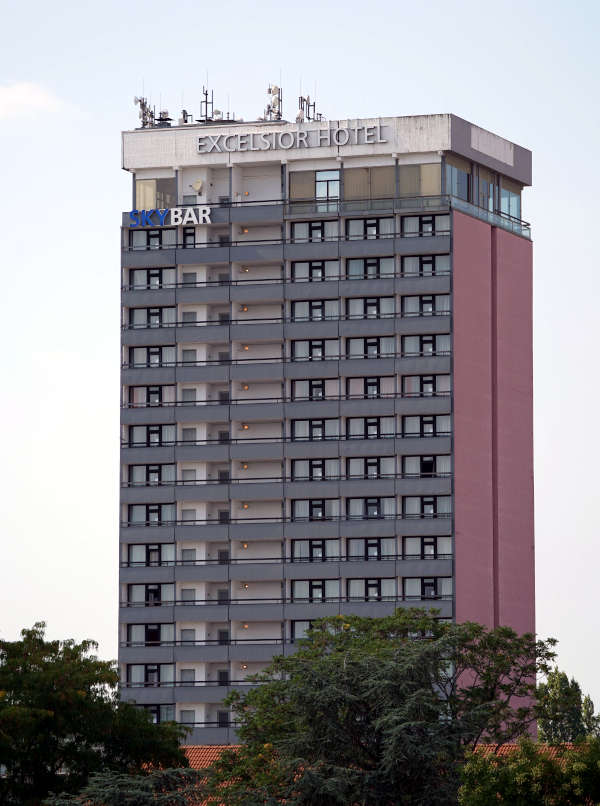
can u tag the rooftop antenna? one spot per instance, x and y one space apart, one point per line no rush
206 106
146 114
274 106
306 110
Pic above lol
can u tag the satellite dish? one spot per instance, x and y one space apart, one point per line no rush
197 185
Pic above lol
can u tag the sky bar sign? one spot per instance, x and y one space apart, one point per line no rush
353 135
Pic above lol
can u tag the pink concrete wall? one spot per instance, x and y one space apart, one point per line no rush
473 483
512 261
493 449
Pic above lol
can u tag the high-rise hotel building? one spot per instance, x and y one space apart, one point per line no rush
326 391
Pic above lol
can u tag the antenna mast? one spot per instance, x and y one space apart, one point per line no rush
273 109
146 113
206 106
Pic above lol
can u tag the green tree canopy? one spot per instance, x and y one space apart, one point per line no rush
61 720
375 712
563 715
530 776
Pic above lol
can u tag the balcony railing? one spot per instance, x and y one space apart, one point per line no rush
282 600
285 479
263 440
401 204
279 320
241 281
279 519
344 558
279 359
240 401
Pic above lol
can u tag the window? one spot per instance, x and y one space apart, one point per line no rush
310 551
370 427
315 590
315 469
371 347
370 183
371 548
361 228
370 308
427 344
372 507
151 475
189 237
427 587
370 387
314 231
327 188
150 634
151 396
371 467
315 310
315 509
155 193
161 713
187 716
426 466
152 356
427 548
425 265
149 435
510 198
314 349
299 629
372 268
458 177
223 677
425 385
426 305
150 674
151 278
152 238
150 595
152 317
187 676
223 719
371 590
151 514
151 554
188 556
415 226
315 429
486 189
426 425
315 271
426 506
223 637
314 389
188 636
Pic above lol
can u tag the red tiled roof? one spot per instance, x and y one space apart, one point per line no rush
203 755
550 750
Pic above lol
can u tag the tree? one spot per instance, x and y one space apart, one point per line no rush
61 720
375 712
560 709
531 776
591 722
173 787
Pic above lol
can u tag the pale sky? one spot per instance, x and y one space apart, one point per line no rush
526 70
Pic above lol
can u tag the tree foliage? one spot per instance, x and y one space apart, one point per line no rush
376 712
171 787
61 720
532 777
563 715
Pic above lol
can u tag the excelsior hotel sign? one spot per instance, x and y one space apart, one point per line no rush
356 135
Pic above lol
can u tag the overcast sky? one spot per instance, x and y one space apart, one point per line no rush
526 70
